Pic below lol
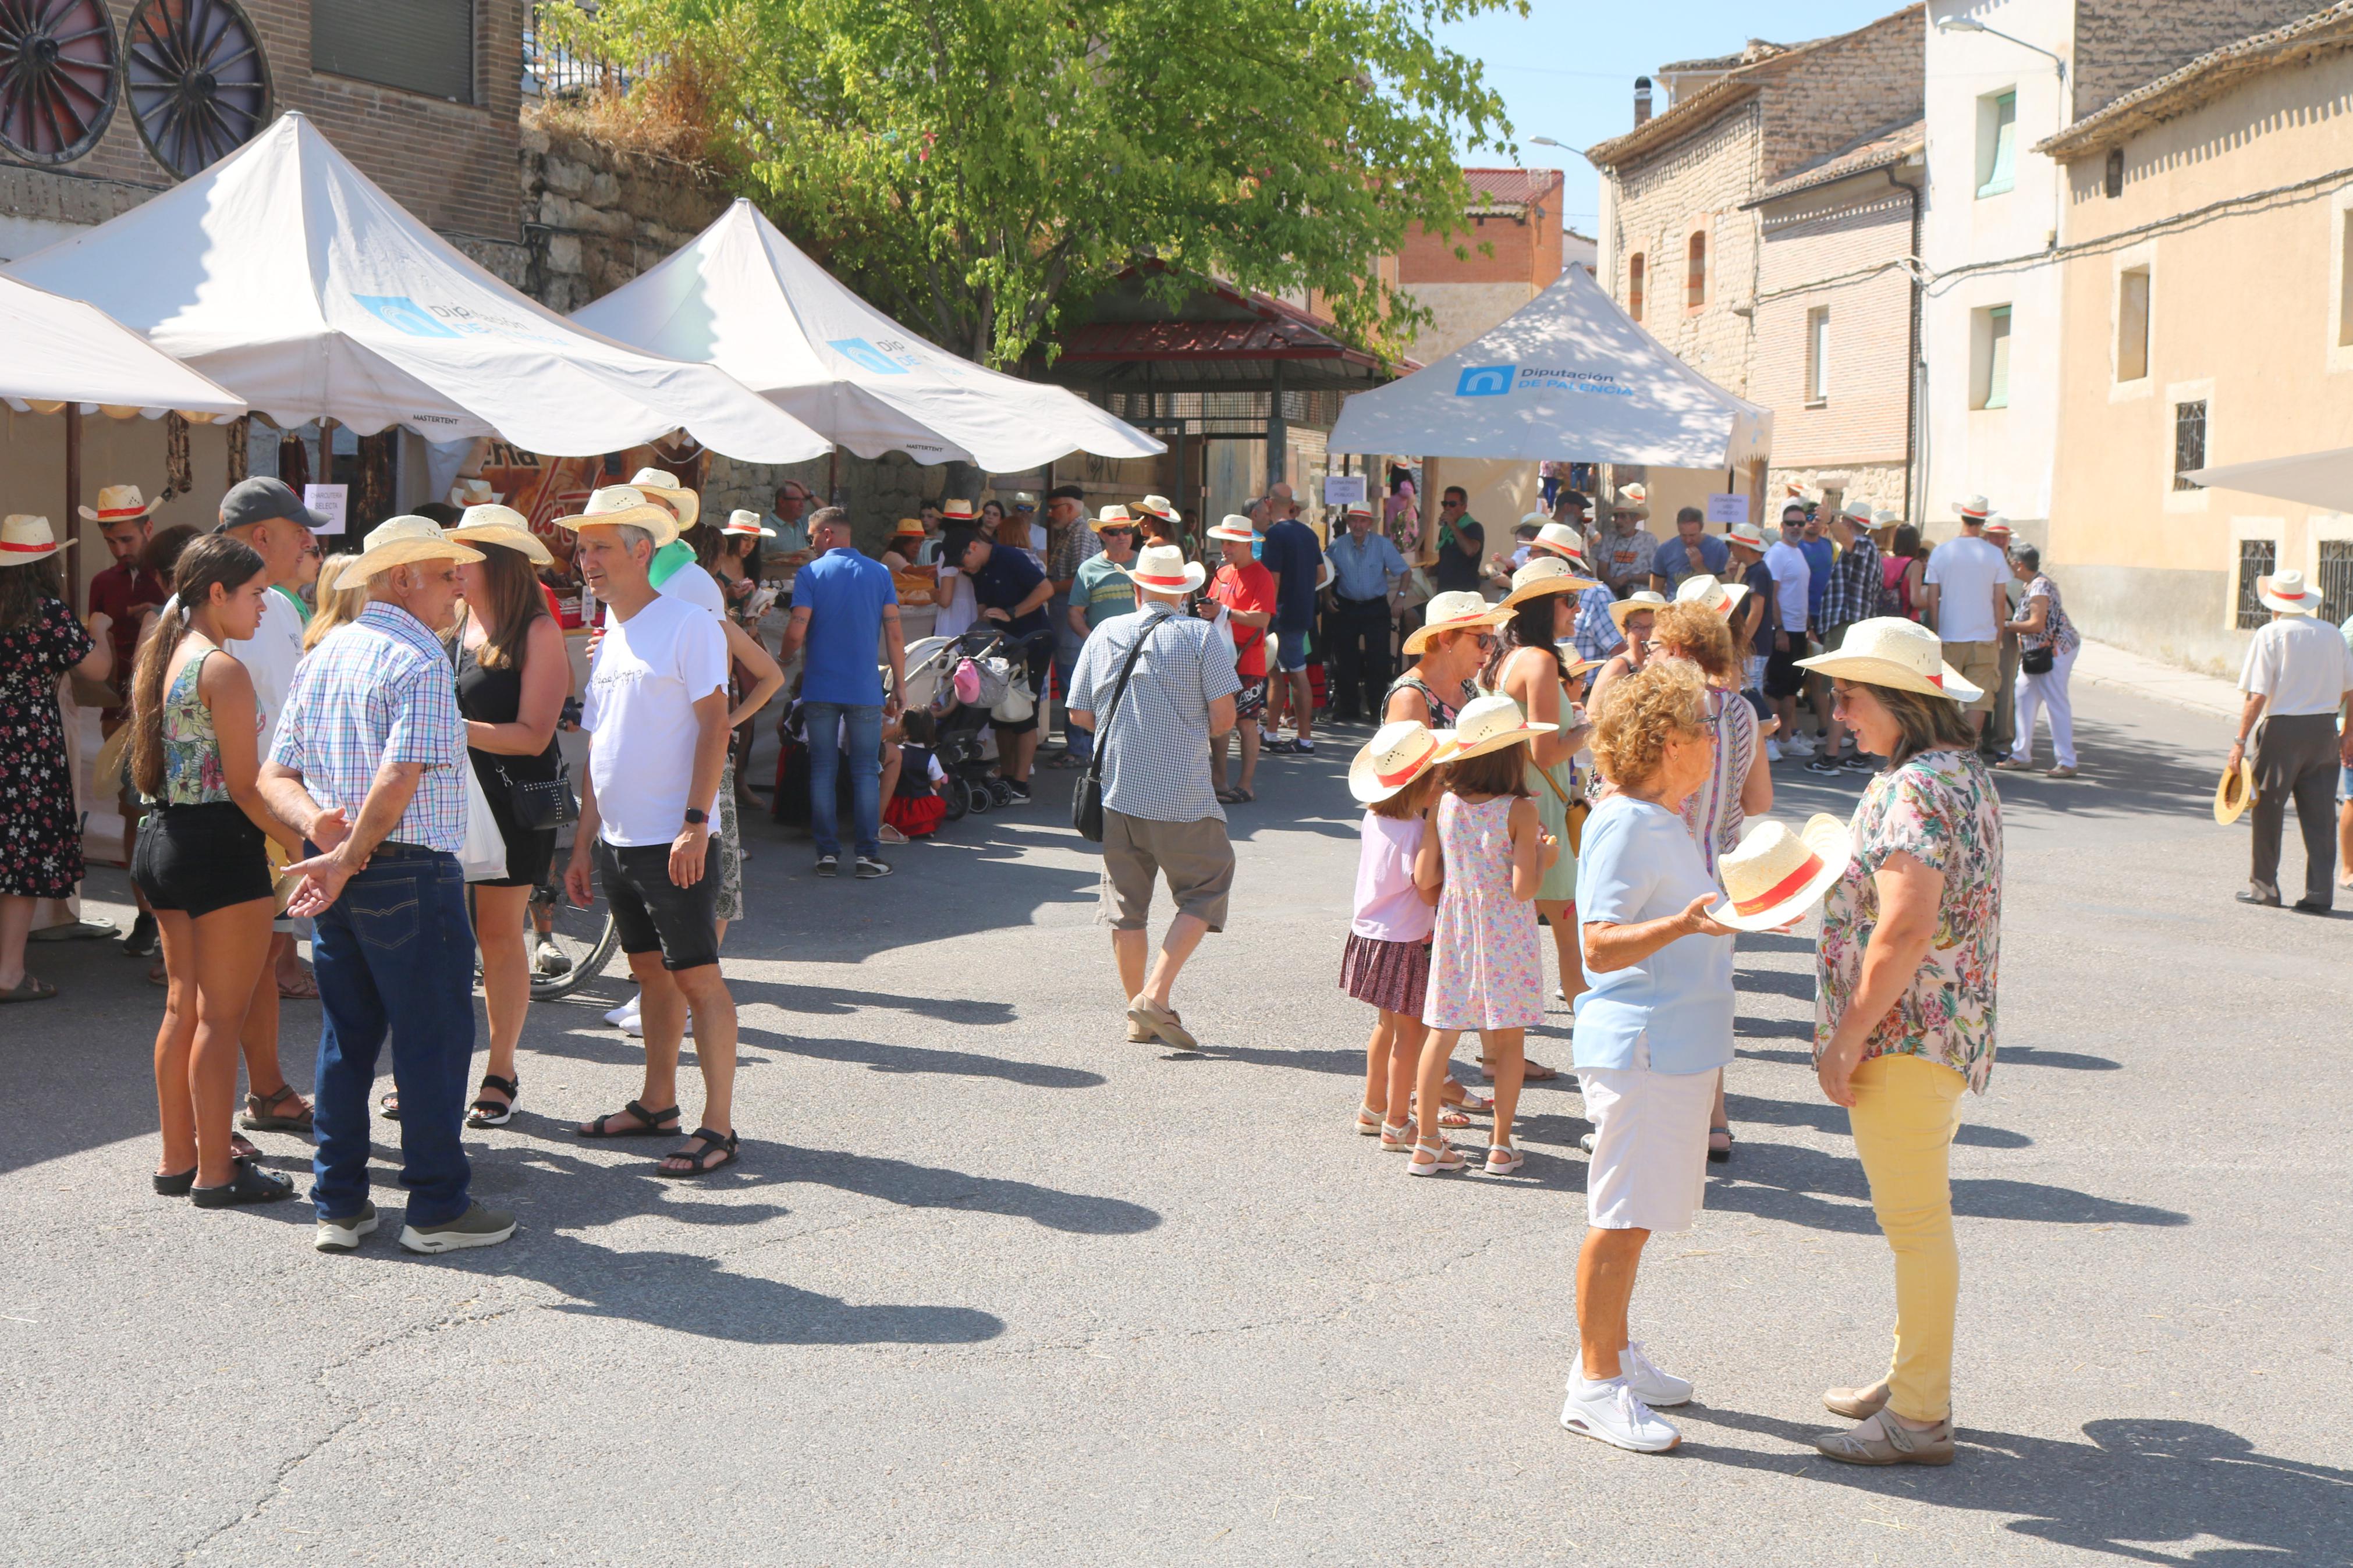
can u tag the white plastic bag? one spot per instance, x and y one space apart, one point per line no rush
485 855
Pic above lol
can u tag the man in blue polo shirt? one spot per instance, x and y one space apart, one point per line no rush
844 607
1691 551
1292 554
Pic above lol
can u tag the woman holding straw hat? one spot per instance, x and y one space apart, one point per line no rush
1527 667
1447 651
1905 1004
1651 1035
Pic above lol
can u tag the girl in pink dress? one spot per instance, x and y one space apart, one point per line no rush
1485 970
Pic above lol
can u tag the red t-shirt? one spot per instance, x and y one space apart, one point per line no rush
1250 587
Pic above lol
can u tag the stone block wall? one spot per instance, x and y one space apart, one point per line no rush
1838 91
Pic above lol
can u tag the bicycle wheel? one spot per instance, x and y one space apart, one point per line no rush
574 946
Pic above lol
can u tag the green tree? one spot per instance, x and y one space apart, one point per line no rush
977 167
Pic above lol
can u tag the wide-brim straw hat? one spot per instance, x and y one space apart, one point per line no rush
959 511
1234 529
656 482
503 526
1112 516
2289 594
1398 755
1888 650
1542 575
1559 539
1459 610
1487 724
24 539
118 503
1634 604
468 492
1973 509
1774 876
2235 792
401 541
748 524
1748 535
1634 498
1163 569
1160 507
624 506
1707 588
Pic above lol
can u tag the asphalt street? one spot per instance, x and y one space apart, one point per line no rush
991 1285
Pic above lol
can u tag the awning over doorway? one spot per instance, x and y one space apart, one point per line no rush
56 351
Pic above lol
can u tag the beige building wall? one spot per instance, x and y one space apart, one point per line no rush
1463 314
2247 313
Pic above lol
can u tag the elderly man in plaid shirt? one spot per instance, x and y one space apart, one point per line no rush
369 763
1851 596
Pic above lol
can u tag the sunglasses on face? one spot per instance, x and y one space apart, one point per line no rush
1117 532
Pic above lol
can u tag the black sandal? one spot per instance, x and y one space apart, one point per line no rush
491 1112
251 1185
261 1114
652 1123
176 1186
725 1146
1720 1156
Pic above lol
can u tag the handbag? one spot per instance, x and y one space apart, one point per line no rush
2037 660
484 858
1086 800
538 804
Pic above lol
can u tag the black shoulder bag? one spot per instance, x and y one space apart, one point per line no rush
1086 801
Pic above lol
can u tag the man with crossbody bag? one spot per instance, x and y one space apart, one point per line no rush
1153 687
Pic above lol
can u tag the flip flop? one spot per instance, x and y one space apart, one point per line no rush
1535 1072
30 990
304 990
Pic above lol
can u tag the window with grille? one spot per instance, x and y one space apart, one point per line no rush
1818 356
420 46
2132 323
2257 557
1695 278
1634 286
1997 143
2188 443
2336 579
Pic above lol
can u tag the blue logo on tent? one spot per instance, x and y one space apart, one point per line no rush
866 355
1485 381
404 314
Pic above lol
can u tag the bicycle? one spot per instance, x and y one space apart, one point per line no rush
569 946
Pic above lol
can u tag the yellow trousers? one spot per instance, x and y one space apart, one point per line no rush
1906 1110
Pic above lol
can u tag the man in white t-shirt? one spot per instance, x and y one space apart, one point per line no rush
2298 680
656 715
1793 577
1967 600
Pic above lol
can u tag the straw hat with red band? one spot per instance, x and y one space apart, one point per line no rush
24 539
1398 755
959 511
1160 507
1459 610
1234 529
1559 539
1544 575
1487 724
1112 516
1641 602
119 503
1973 509
2289 594
748 524
1163 569
909 527
1775 875
502 526
1746 535
1707 588
1888 650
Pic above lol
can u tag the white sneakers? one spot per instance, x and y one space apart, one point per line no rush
1617 1410
625 1018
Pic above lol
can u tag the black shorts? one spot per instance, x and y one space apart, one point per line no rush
1249 702
530 850
194 859
1782 676
1039 661
653 914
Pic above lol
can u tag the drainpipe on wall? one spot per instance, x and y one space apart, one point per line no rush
1916 435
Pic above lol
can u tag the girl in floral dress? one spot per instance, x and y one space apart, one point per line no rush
1486 971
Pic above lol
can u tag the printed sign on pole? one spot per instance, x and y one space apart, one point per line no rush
1728 510
328 501
1344 489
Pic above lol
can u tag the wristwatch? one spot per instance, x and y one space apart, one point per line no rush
695 819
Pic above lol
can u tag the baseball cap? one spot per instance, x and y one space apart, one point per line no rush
260 499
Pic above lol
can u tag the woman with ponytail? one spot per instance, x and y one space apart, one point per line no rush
201 860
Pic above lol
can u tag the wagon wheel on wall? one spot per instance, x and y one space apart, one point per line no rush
57 77
195 75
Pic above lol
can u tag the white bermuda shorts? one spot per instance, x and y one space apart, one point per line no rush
1650 1146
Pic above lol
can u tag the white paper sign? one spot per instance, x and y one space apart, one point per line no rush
1344 489
1728 509
328 501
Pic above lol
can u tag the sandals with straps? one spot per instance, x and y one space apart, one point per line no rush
262 1115
1445 1159
722 1144
488 1112
650 1123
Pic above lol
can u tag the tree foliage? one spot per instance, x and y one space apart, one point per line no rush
977 167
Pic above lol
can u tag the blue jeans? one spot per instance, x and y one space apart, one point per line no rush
396 953
825 740
1080 743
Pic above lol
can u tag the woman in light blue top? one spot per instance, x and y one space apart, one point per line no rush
1651 1033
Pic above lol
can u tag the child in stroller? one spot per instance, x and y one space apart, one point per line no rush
965 682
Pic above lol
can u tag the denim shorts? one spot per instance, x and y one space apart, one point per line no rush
2345 787
1290 650
653 914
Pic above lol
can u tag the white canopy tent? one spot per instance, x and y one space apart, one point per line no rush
55 350
1567 376
2316 478
747 300
286 275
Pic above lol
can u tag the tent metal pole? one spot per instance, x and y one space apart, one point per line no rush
70 526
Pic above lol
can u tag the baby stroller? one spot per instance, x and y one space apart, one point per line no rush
967 681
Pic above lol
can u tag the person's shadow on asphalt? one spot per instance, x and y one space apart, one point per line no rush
2135 1482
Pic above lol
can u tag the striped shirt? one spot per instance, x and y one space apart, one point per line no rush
1156 748
379 690
1713 812
1597 635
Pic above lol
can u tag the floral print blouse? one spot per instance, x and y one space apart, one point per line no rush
1941 808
